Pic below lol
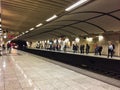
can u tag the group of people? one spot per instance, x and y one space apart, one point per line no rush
82 48
111 49
98 49
6 47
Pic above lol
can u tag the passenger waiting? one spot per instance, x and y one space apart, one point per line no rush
100 50
38 45
9 47
82 48
96 49
65 47
110 49
3 46
75 48
87 48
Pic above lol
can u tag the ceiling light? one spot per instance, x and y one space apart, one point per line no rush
0 28
67 40
80 2
20 35
90 39
15 37
26 31
5 36
48 41
39 25
31 29
77 39
51 18
23 33
100 37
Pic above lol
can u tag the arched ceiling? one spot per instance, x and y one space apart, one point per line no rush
95 17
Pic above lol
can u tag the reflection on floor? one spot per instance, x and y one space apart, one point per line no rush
27 72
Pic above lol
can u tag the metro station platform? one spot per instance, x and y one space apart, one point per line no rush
78 53
24 71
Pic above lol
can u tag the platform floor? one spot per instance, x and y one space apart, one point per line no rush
78 53
23 71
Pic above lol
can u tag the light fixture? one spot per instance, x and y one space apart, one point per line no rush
20 35
90 39
5 36
48 41
39 25
100 37
31 29
45 41
23 33
77 39
26 31
80 2
16 37
51 18
0 28
67 40
55 41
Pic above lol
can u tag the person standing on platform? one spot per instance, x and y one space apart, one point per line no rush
65 47
113 49
9 47
73 48
3 47
110 49
81 48
100 49
76 48
87 48
96 49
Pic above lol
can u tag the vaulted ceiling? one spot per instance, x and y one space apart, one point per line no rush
95 17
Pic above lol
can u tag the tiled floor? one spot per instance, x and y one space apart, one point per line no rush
26 72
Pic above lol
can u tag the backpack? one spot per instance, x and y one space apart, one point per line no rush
113 46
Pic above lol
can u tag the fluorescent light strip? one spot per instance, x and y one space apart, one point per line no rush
80 2
15 37
51 18
20 34
39 25
26 31
31 29
23 33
